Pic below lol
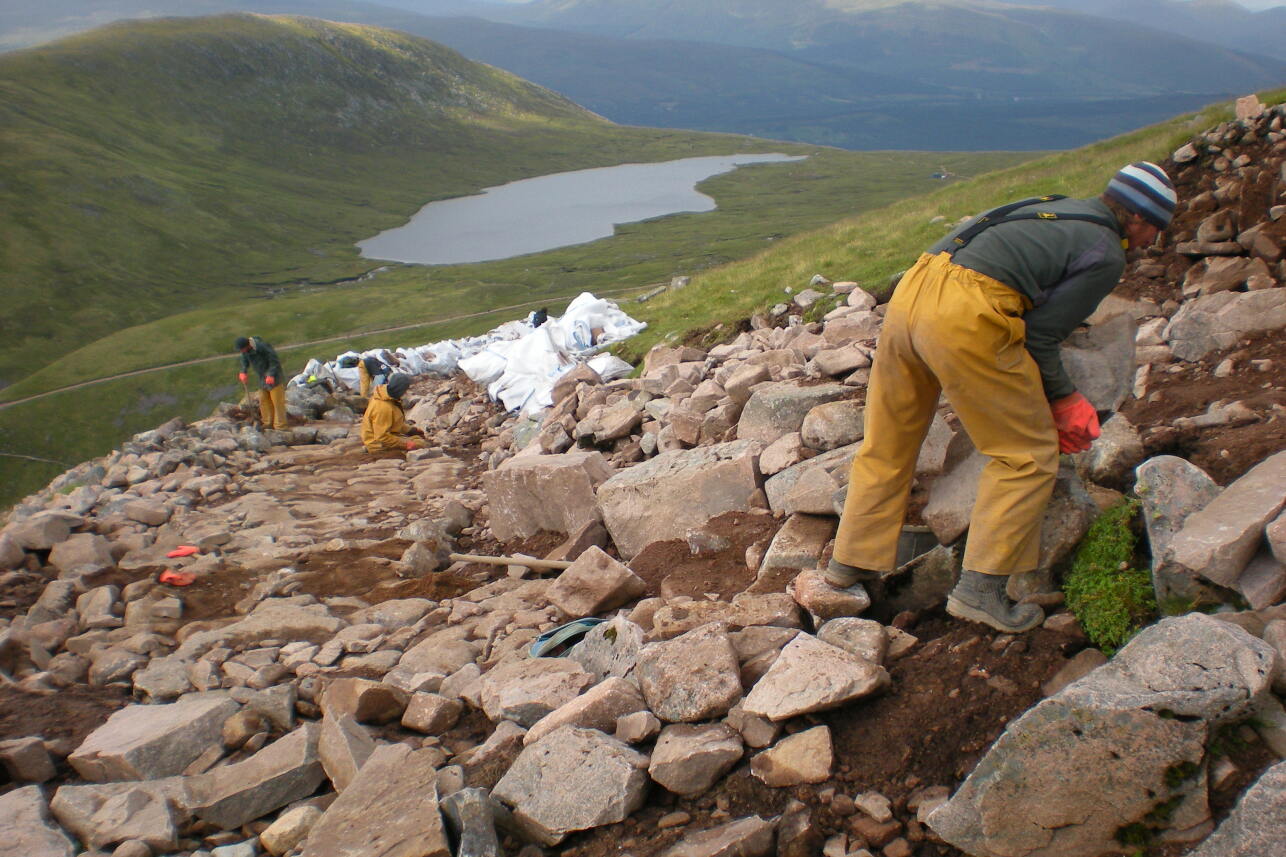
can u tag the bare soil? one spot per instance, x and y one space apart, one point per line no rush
672 568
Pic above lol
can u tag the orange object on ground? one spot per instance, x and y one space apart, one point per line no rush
177 578
183 550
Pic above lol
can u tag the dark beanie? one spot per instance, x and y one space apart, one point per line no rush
398 385
241 343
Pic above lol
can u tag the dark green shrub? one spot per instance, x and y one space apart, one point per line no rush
1109 595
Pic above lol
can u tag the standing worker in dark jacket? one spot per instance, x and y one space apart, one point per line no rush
979 318
259 355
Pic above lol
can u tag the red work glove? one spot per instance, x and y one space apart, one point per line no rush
1076 421
241 376
270 380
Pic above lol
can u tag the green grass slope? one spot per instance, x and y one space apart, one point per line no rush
872 246
757 207
170 184
149 167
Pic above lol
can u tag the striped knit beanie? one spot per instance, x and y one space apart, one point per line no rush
1144 189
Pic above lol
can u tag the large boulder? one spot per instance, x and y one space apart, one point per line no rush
691 677
798 545
390 807
1218 321
530 493
525 689
805 757
269 621
11 553
777 409
833 424
746 837
283 772
678 491
787 490
1218 540
747 609
83 553
143 742
610 649
812 676
41 531
597 708
103 815
573 779
593 584
1257 825
1100 361
1121 748
26 829
1171 490
689 758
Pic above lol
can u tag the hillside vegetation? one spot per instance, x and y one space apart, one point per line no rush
153 166
169 185
872 246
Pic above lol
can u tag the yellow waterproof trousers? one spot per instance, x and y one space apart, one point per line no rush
363 380
954 331
272 407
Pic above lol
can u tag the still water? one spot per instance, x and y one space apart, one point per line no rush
552 211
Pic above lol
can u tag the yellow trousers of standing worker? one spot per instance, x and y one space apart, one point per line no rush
272 407
953 331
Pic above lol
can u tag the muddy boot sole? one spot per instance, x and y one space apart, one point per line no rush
961 610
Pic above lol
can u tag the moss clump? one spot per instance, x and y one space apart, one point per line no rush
1110 597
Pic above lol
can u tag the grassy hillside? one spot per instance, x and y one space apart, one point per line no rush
168 185
872 246
152 166
758 207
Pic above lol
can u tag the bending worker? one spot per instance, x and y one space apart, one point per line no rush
979 318
272 398
371 372
384 424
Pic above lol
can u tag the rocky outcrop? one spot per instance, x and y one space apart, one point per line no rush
331 671
1101 755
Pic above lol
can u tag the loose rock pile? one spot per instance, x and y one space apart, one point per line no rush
334 682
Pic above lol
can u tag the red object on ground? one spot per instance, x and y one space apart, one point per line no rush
183 550
177 578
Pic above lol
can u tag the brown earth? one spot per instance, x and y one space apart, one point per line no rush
1225 452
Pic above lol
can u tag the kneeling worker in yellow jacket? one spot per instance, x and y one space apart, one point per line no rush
384 424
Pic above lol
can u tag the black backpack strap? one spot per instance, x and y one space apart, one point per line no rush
1005 214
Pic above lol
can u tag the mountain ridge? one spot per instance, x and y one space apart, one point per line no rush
1011 92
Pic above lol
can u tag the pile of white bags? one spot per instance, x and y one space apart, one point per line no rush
518 364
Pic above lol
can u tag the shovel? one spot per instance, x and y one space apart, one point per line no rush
254 408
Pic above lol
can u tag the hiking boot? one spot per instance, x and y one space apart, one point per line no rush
981 598
852 579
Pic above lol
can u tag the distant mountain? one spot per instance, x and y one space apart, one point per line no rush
963 45
1220 22
995 77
